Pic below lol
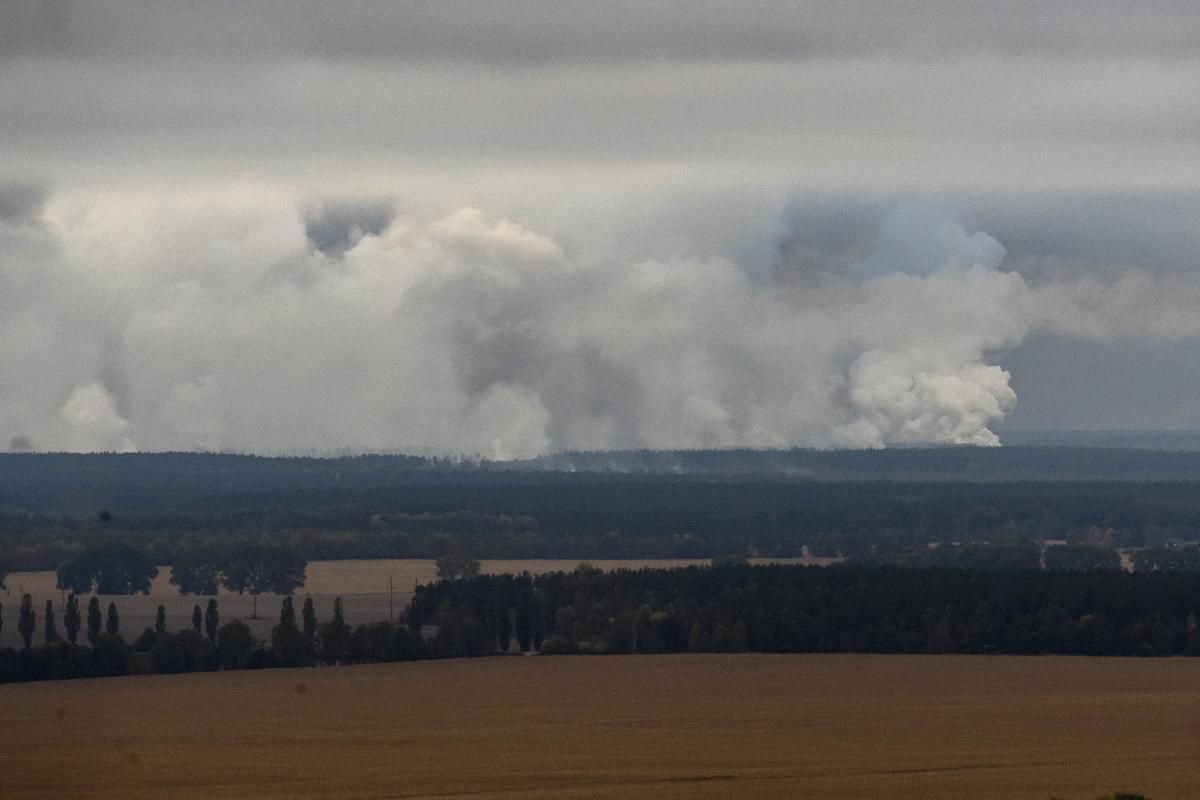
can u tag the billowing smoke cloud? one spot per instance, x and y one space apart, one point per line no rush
92 421
237 322
335 227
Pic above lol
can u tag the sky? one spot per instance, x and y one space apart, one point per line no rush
508 228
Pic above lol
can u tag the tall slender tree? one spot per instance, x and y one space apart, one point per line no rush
525 622
335 636
212 619
27 624
160 620
93 620
287 643
71 621
50 629
197 618
309 615
503 626
112 625
287 613
538 623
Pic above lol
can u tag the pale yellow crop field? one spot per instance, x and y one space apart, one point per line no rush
362 584
711 726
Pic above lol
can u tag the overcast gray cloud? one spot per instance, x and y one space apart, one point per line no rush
507 227
616 30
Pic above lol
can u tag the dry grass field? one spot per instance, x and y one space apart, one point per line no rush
363 585
616 727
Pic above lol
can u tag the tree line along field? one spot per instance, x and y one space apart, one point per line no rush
703 726
506 515
724 608
362 584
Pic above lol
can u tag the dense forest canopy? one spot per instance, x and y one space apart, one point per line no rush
81 483
53 506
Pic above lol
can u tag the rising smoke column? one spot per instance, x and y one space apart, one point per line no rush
235 322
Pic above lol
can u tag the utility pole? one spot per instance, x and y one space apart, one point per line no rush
390 578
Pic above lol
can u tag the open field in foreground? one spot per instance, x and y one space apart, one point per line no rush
362 583
613 727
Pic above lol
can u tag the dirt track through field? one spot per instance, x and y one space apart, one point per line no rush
614 727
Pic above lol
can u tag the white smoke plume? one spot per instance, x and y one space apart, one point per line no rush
212 321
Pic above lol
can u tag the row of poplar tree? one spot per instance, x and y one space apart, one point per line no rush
205 645
72 620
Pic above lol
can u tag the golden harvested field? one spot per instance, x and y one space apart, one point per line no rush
708 726
363 585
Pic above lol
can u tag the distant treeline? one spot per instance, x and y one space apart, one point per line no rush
158 482
794 609
626 517
774 608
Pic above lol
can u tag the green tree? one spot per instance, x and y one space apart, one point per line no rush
503 626
160 620
259 568
461 634
234 644
174 653
309 615
287 643
287 612
197 571
335 636
539 620
112 654
27 623
457 562
525 622
619 637
197 619
112 625
71 620
1081 558
212 620
739 640
643 630
112 567
93 620
50 628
